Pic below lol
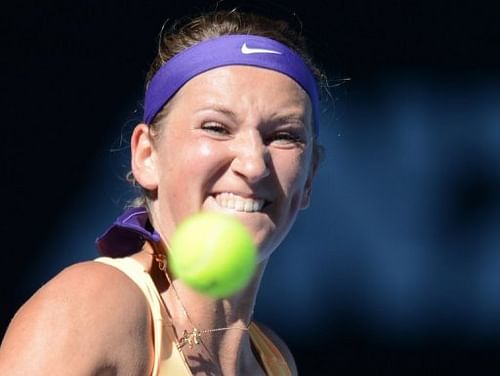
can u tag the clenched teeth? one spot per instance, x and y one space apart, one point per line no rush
231 201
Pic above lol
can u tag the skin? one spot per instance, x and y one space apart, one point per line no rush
224 133
242 130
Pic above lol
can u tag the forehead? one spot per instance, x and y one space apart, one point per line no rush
237 83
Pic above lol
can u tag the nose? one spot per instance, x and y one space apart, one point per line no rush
252 158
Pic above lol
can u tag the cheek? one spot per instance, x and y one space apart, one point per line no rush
205 150
292 171
189 160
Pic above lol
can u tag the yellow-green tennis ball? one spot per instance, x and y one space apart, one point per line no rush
213 253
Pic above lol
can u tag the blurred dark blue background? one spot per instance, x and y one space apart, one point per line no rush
395 267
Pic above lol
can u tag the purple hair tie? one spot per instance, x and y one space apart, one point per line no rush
249 50
127 234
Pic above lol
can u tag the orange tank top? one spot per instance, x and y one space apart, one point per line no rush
168 360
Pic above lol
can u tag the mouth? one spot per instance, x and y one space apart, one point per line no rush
234 202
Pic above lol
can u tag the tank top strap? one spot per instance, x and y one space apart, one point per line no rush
271 358
167 358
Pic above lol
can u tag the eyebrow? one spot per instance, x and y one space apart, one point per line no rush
293 116
220 109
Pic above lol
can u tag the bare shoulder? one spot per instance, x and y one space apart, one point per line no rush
80 320
281 345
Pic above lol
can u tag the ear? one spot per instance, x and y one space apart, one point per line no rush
306 195
143 159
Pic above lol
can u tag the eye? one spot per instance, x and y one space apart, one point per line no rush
215 128
287 138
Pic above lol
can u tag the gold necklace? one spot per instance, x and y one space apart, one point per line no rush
192 337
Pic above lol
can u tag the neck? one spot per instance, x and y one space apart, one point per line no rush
223 323
225 344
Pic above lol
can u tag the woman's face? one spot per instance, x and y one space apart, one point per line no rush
236 140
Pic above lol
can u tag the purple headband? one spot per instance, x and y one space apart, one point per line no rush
250 50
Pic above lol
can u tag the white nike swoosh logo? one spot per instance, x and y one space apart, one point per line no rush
248 50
